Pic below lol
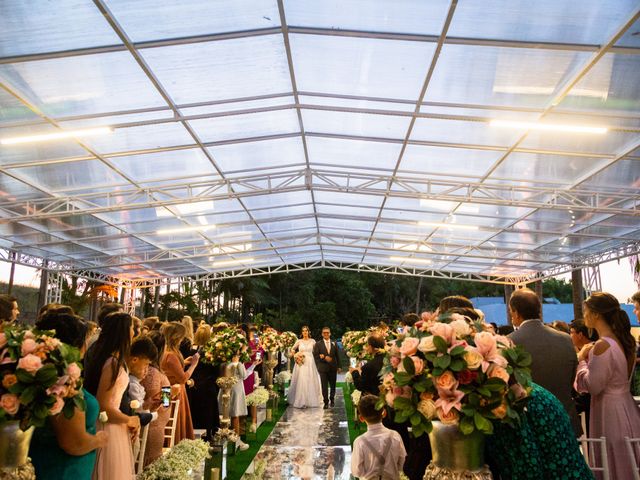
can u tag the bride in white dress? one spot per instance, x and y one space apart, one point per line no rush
304 390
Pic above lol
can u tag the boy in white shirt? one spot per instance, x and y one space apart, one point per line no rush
378 454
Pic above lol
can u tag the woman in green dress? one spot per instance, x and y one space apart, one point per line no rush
543 447
66 447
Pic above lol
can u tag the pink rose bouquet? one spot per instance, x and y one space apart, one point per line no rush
451 370
40 376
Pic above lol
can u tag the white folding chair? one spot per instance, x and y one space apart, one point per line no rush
589 446
142 447
170 429
633 445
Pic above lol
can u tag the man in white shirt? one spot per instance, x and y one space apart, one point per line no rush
379 453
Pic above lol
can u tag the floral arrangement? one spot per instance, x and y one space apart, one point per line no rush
178 463
260 396
226 344
270 340
299 358
354 342
453 371
287 341
40 377
355 397
348 378
283 377
259 468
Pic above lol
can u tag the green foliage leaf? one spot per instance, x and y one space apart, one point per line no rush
402 378
380 403
457 351
47 375
440 343
28 394
403 403
457 365
416 419
443 361
482 423
466 425
408 365
24 376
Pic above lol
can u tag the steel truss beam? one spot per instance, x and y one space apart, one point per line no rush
311 31
329 181
348 242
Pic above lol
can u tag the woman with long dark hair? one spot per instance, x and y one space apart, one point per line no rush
604 371
106 377
173 365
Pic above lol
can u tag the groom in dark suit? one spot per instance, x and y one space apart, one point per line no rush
325 353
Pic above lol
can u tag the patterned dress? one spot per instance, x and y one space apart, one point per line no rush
542 448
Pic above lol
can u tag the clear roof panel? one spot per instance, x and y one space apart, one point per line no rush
501 76
360 66
85 84
149 20
259 145
403 16
51 27
541 21
201 71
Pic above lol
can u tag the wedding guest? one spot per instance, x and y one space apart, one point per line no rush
8 310
204 393
106 377
173 365
142 352
604 371
152 323
580 334
238 401
249 383
542 447
187 342
561 326
366 378
153 383
54 307
379 452
107 309
553 359
65 448
454 301
137 326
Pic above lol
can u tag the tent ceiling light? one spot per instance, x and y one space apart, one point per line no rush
197 228
448 225
553 127
56 136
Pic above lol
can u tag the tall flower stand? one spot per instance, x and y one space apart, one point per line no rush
456 456
272 404
14 449
224 440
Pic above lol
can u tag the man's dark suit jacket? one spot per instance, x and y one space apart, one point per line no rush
554 361
368 381
322 365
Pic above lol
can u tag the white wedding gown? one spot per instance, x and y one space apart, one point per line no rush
304 390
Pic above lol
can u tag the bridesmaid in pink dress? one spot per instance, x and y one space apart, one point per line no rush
604 371
106 375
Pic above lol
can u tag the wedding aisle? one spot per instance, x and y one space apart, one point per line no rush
306 444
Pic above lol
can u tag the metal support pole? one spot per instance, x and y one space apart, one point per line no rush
12 271
577 293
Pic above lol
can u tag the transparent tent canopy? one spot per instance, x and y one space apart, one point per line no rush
247 137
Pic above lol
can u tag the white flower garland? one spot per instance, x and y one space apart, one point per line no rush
283 377
178 463
259 396
355 397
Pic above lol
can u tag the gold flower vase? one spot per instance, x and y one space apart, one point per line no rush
14 451
456 456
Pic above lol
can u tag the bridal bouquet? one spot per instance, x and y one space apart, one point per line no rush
40 377
226 344
453 371
287 341
299 358
270 340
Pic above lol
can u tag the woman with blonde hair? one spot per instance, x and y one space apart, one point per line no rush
173 365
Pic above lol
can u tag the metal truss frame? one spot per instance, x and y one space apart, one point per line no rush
54 287
418 187
591 279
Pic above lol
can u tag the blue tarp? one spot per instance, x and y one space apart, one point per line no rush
497 312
